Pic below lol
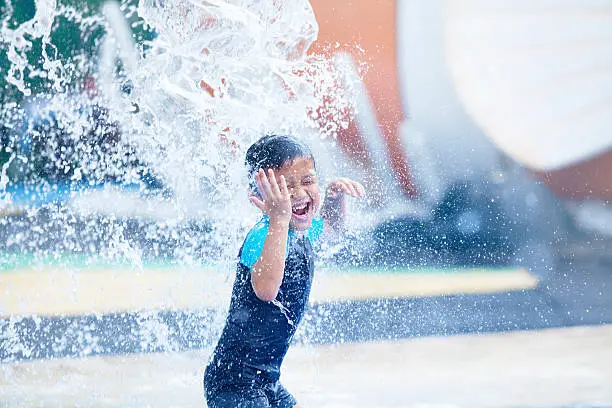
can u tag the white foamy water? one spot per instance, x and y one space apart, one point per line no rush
181 108
165 121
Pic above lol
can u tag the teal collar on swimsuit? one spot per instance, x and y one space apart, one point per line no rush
254 241
313 232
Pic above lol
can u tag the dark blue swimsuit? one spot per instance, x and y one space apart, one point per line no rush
245 367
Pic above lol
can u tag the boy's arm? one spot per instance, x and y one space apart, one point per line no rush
268 271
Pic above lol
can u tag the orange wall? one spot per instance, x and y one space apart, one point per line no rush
366 31
589 179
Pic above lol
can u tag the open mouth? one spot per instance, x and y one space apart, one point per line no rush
301 210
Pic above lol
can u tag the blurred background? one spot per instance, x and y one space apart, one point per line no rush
481 130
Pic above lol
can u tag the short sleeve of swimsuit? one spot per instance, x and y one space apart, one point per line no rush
254 241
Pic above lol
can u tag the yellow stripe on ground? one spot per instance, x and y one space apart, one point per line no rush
53 291
366 286
10 211
58 291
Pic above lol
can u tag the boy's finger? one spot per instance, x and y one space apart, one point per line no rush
257 202
360 189
273 182
357 187
265 184
283 186
355 193
263 190
348 188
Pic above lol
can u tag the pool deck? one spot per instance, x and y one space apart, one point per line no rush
568 367
56 311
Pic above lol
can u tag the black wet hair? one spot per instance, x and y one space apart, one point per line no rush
272 152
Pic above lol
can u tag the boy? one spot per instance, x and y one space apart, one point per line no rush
273 276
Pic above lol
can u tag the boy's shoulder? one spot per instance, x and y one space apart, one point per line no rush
261 227
254 242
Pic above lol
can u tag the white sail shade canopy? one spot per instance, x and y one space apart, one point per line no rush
536 75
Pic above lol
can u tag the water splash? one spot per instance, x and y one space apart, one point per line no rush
160 121
179 109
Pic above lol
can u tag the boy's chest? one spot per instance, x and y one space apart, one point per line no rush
299 269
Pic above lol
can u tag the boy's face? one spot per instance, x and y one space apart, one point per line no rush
303 187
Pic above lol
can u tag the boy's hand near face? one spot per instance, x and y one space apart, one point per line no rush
334 206
275 200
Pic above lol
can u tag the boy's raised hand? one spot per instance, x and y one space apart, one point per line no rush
275 200
346 186
333 210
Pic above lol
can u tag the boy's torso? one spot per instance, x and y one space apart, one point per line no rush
257 334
